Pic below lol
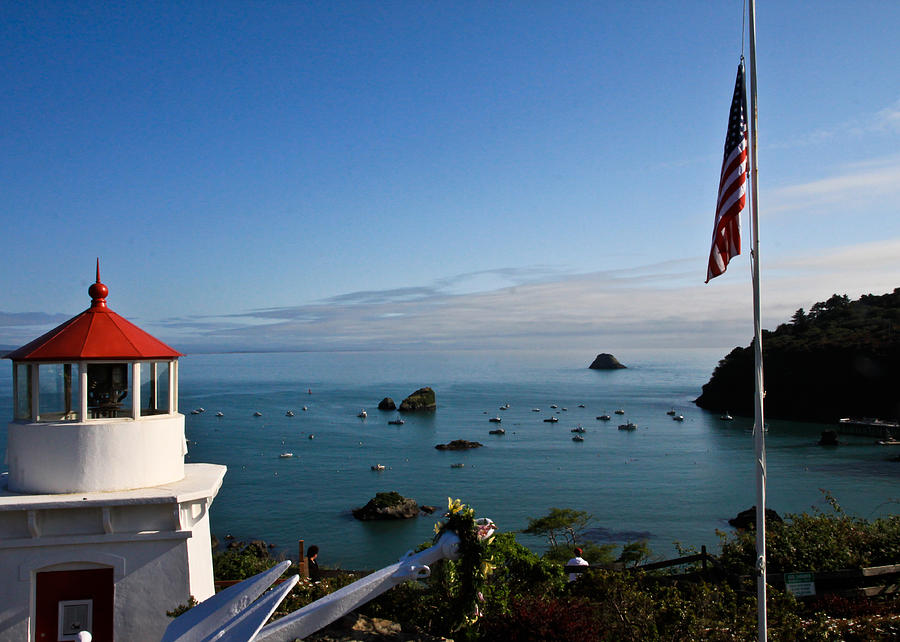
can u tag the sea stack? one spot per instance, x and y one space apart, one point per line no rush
387 506
421 399
606 361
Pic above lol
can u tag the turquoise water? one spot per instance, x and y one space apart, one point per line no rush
666 481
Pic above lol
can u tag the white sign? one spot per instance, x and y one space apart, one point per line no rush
800 584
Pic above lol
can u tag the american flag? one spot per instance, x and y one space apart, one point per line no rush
726 240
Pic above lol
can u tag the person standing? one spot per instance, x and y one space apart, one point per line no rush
578 560
312 566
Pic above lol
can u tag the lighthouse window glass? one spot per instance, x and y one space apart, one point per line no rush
155 388
107 390
57 392
23 390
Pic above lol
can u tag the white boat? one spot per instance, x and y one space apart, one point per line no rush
495 420
257 414
195 412
551 420
620 411
497 431
396 422
578 429
220 414
289 413
457 465
577 438
629 426
678 418
554 406
286 455
726 417
362 414
603 418
535 410
378 467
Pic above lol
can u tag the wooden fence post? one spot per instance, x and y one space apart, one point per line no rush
301 563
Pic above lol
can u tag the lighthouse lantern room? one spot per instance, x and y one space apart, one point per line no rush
103 527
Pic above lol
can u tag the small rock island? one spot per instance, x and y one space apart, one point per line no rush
390 505
606 361
459 444
421 399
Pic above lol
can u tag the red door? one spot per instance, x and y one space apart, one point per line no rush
71 600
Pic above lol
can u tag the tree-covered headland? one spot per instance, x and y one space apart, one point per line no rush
840 359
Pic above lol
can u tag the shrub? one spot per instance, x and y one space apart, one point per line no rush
538 619
816 542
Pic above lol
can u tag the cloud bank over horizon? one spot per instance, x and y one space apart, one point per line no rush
661 305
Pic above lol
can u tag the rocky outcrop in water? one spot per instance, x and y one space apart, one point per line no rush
606 361
390 505
746 519
459 444
421 399
387 404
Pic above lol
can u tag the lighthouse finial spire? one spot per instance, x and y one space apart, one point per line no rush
98 291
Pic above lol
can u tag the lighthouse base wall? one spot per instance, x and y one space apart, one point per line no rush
102 455
151 547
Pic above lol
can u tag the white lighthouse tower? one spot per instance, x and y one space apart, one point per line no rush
103 527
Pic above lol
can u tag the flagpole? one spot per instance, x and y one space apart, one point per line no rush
759 430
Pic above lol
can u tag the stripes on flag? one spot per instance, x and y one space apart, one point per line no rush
726 240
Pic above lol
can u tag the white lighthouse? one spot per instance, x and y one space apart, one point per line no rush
103 527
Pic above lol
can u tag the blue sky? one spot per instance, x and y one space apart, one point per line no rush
343 175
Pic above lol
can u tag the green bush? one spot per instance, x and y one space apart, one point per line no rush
816 542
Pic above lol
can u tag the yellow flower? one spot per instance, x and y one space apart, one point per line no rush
454 505
437 528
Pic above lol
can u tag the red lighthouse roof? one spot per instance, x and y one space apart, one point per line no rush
98 333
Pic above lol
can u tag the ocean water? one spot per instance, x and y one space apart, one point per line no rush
665 482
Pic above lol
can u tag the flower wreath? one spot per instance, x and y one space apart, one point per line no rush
475 537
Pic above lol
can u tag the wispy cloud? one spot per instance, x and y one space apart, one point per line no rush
886 120
854 185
